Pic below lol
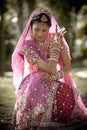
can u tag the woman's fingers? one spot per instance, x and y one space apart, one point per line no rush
61 32
63 29
46 78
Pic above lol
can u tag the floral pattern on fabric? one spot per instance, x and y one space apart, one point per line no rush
44 104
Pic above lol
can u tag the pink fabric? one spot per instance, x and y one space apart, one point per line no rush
37 103
49 104
18 62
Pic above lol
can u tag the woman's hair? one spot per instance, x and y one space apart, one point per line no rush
41 17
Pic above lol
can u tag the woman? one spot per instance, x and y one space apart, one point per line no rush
45 91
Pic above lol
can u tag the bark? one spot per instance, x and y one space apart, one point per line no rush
2 39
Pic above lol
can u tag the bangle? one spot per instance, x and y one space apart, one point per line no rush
60 74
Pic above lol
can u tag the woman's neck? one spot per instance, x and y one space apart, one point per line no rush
40 42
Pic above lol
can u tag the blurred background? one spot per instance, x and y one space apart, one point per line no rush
13 18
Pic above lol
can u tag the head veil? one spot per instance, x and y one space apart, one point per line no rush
18 61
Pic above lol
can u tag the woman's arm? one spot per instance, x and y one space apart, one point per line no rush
60 73
66 66
66 62
50 66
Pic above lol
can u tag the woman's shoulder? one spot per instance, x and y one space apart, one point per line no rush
28 42
26 46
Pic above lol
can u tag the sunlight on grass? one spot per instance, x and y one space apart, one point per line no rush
80 78
7 96
82 74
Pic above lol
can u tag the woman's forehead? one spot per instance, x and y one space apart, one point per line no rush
40 24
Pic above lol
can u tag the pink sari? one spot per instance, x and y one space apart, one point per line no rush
49 104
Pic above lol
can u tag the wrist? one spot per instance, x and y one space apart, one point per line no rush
58 75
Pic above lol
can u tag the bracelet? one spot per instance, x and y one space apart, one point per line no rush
58 75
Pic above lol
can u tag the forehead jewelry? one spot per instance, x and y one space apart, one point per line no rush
43 11
44 18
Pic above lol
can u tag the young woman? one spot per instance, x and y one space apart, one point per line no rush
46 95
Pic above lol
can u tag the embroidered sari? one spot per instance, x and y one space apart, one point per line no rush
44 104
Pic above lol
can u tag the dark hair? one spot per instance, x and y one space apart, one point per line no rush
41 17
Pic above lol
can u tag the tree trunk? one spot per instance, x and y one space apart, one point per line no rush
24 9
2 46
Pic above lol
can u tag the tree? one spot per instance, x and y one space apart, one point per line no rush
24 8
3 9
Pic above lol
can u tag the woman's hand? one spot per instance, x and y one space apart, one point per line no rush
59 34
54 37
46 78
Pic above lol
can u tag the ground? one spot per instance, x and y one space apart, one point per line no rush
7 96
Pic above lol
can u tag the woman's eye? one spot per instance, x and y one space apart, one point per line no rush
44 30
36 29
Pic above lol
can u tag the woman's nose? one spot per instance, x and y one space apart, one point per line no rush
40 33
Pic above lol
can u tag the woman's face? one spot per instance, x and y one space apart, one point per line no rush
40 31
